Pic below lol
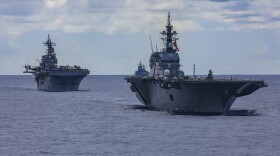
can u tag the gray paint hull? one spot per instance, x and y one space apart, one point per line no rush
56 82
191 96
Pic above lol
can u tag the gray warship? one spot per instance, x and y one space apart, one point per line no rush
51 77
141 71
167 88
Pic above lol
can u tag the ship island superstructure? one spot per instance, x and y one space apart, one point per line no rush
51 77
167 88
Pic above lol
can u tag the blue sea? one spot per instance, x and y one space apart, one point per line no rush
105 118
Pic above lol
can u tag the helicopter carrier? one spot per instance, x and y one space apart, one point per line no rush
167 88
51 77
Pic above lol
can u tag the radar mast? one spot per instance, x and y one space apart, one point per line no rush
50 45
169 37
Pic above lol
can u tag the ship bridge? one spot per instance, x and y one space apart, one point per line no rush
167 60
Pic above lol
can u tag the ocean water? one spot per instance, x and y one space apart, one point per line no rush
105 118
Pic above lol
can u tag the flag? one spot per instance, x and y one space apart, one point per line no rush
176 46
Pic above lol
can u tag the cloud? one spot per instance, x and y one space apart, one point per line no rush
81 29
187 25
54 4
16 8
219 0
239 5
130 16
76 28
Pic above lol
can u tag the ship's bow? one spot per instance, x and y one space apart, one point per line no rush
62 81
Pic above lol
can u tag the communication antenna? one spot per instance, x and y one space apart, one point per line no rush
151 44
156 48
194 70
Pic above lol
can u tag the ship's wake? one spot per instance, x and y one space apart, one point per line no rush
144 108
242 112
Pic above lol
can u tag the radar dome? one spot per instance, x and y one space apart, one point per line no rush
170 45
166 72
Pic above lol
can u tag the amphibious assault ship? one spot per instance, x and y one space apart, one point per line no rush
51 77
167 88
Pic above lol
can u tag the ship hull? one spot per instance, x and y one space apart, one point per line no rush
192 96
56 82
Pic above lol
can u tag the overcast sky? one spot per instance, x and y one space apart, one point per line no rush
112 36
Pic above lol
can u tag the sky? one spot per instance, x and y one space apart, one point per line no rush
110 37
